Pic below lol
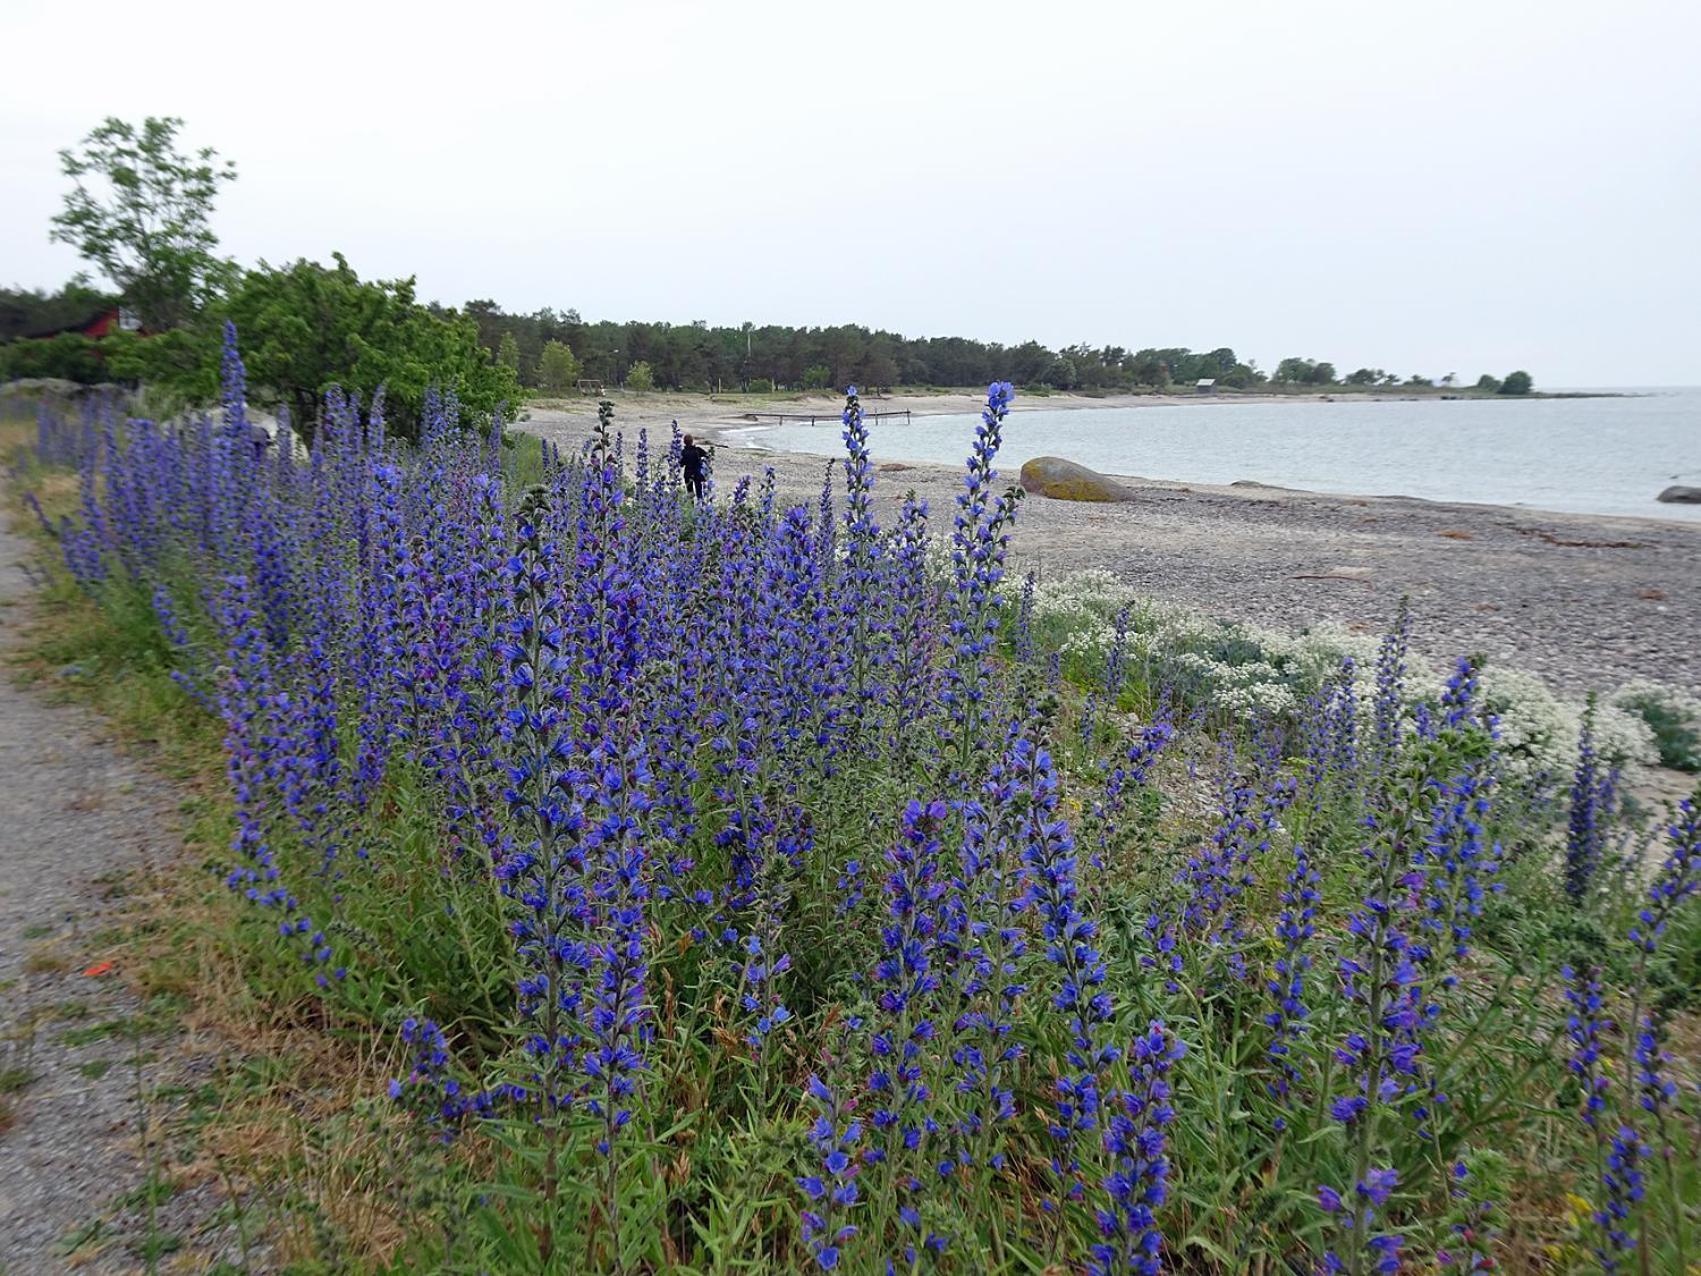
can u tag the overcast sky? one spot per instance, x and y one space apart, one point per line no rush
1423 185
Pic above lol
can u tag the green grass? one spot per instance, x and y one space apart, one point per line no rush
1676 733
14 1078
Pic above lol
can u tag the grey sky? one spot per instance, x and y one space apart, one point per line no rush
1427 186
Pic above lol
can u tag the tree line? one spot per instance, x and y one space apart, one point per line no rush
552 350
698 356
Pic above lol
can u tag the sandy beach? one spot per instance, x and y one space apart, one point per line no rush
1588 601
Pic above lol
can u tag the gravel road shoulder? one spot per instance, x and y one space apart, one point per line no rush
82 827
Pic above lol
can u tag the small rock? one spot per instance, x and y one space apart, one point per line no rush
1677 494
1062 480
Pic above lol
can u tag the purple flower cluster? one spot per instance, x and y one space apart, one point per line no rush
664 749
1594 790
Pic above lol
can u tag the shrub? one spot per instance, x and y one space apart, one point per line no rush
1673 717
68 356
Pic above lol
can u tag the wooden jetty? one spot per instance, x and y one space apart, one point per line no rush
833 418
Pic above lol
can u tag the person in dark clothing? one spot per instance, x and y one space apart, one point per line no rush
693 459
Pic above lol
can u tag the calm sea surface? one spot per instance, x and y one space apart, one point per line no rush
1597 456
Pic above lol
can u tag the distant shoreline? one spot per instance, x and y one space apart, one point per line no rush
746 409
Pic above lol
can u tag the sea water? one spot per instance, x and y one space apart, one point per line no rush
1600 455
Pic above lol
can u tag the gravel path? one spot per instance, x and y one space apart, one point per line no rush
1586 601
80 825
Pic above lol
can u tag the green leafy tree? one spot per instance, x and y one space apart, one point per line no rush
304 328
1295 371
508 354
1061 374
1488 383
1322 374
1148 368
640 377
557 367
140 211
1365 376
817 377
1516 383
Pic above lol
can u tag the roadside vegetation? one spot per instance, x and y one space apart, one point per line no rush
597 880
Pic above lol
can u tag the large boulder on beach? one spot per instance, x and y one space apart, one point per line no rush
1066 481
1679 495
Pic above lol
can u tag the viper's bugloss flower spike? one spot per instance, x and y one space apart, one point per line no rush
979 540
831 1193
1287 984
1593 795
1135 1141
1678 880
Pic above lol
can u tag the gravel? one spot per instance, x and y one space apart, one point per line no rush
81 824
1586 601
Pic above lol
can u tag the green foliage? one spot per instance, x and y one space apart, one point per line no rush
1516 383
1366 376
182 363
1488 383
557 368
817 377
508 353
761 385
139 212
68 356
306 327
1060 374
1297 371
640 377
1675 731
